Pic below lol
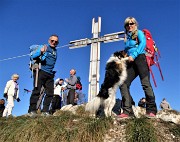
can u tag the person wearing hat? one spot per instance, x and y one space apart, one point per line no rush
11 93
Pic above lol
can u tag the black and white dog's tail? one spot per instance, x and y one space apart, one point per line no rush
93 105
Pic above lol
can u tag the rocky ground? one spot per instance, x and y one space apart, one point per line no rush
163 133
165 124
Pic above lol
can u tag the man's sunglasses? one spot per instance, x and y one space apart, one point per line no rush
55 41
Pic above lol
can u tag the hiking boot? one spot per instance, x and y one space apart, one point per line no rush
31 114
45 114
150 115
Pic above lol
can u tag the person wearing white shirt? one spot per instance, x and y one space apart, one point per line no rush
59 86
11 93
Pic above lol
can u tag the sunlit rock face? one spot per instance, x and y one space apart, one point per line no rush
169 115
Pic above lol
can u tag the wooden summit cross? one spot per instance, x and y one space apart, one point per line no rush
94 68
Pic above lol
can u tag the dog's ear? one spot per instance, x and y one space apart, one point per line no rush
120 54
123 53
117 53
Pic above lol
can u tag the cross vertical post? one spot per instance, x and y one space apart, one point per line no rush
94 61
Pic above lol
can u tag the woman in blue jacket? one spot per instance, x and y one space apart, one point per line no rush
135 43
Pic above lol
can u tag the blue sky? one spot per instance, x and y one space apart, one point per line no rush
27 22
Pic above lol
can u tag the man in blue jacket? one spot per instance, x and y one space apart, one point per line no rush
48 55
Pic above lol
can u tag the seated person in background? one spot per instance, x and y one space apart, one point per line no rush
164 104
142 103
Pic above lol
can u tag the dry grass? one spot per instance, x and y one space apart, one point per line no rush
67 127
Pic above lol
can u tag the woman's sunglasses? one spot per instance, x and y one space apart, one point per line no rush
130 24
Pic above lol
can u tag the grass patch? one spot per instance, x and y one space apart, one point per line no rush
140 130
66 127
174 128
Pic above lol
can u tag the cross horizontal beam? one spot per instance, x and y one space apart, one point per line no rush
105 39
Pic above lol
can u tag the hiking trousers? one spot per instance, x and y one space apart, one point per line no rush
71 96
9 107
47 80
56 103
139 68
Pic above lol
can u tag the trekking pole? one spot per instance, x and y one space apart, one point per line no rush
37 72
158 65
41 96
36 78
149 66
153 77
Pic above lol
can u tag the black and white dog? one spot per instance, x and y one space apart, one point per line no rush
115 75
